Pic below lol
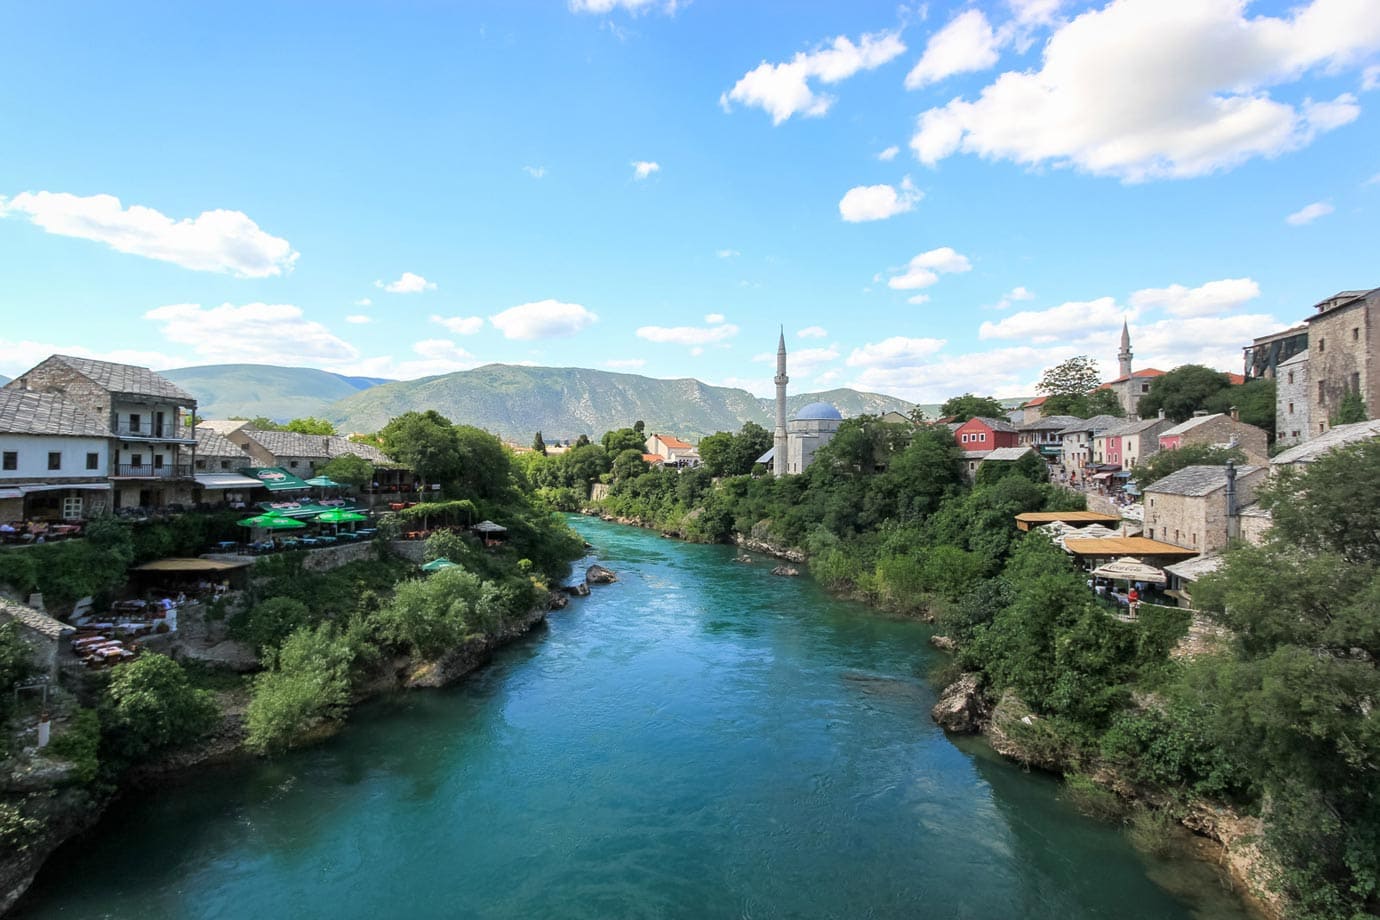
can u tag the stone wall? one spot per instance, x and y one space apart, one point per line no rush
1341 344
1252 440
1292 419
1197 522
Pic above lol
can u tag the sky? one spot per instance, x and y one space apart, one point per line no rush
929 199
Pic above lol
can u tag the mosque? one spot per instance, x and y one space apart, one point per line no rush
794 444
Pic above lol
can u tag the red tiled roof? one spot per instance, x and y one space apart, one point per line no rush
1147 372
653 458
1236 379
674 443
1037 401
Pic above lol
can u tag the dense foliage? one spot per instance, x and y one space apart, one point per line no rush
150 705
1160 464
307 683
962 408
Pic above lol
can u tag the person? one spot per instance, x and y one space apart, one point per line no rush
1133 597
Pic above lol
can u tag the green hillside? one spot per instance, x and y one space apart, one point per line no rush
249 390
515 402
3 380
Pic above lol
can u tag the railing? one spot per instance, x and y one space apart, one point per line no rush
151 431
149 471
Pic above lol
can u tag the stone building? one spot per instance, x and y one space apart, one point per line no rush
1130 386
1265 354
153 448
302 455
1129 442
54 458
1076 440
813 426
1300 455
40 632
672 450
1199 507
1219 430
1045 435
1292 400
1343 345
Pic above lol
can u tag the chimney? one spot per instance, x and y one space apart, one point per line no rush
1235 414
1161 413
1233 519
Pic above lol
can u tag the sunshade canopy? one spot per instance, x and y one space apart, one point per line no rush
274 478
1131 569
271 521
437 565
338 516
324 482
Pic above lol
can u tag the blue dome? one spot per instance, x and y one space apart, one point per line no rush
818 411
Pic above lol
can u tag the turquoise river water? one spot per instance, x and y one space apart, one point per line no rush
700 740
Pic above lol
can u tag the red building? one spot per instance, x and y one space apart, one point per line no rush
980 433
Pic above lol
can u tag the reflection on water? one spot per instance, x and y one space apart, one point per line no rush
700 739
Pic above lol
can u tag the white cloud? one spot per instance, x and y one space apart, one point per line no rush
713 319
536 172
783 90
687 335
437 356
635 7
934 378
1012 296
256 333
358 319
1057 323
18 356
803 362
889 154
827 378
696 351
1370 78
1034 12
644 168
727 253
626 363
918 299
1214 341
544 319
1309 213
813 332
896 351
444 350
407 283
966 44
364 302
878 202
1213 297
214 241
925 269
460 325
1144 89
1373 180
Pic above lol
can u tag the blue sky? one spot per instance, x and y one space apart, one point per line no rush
931 199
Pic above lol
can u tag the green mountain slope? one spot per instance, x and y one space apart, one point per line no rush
280 393
515 402
3 380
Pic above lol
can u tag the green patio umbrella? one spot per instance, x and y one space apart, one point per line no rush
437 565
271 520
324 482
340 516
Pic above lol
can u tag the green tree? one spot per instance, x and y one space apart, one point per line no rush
621 439
307 683
151 705
969 406
1253 400
716 453
430 616
426 442
628 465
582 441
1030 466
310 425
539 445
1097 402
16 665
1161 464
751 442
268 623
1183 391
1350 410
1076 376
350 469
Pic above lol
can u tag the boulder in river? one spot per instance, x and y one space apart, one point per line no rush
580 590
787 570
744 558
598 575
943 642
961 707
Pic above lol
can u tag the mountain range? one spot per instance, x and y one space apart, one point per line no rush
511 401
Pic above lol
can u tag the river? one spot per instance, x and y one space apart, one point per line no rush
700 740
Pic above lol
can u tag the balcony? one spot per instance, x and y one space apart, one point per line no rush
153 432
149 471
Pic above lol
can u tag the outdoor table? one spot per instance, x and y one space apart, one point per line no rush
227 544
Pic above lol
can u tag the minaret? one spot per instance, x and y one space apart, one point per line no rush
778 463
1124 356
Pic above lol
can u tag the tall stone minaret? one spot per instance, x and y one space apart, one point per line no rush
1124 356
778 463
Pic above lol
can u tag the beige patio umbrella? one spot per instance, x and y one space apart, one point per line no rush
1129 568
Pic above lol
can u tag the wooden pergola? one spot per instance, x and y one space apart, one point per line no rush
1074 518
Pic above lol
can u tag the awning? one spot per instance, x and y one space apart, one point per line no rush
11 493
226 481
30 488
768 456
489 527
1102 476
1125 546
275 478
1132 569
190 565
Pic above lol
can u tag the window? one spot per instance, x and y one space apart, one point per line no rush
1291 408
225 464
11 460
1355 333
1145 388
1355 381
1322 392
1322 345
93 461
71 508
134 421
1294 433
293 464
54 460
1291 380
136 459
157 461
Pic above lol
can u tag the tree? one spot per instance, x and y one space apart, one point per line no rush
582 441
969 406
310 425
1098 402
751 442
267 624
486 469
308 682
628 464
1253 400
1183 391
1030 466
1161 464
716 453
539 445
640 426
151 705
350 469
426 443
16 665
1077 376
1350 410
621 439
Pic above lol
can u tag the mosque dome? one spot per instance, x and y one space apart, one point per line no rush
818 411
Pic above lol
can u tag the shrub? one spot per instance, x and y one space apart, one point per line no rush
80 743
1090 798
17 830
267 624
308 683
151 705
